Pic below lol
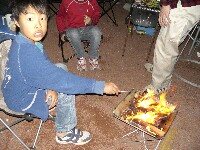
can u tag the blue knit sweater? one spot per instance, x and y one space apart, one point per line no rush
29 73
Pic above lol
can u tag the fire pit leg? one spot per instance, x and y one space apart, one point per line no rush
144 140
136 130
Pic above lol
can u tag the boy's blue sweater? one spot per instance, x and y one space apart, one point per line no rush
29 73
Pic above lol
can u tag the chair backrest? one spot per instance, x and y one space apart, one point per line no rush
143 16
5 47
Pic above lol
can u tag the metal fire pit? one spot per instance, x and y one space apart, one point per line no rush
157 133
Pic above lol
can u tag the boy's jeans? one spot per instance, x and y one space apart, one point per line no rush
65 110
91 33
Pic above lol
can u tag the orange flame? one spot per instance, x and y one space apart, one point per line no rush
151 108
147 117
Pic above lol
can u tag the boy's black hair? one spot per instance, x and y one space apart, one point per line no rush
20 6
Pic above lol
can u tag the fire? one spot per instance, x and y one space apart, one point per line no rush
151 109
147 117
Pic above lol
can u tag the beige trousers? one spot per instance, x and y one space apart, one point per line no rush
183 19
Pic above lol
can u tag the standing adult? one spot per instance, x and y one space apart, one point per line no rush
177 18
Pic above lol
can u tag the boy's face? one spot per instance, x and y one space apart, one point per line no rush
33 25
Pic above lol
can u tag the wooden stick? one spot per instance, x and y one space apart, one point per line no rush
157 131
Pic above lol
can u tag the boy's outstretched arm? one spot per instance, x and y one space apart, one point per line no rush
111 88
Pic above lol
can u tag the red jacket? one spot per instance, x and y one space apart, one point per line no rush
71 13
184 3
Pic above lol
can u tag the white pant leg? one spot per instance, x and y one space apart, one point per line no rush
183 19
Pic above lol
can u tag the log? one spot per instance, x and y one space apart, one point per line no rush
153 129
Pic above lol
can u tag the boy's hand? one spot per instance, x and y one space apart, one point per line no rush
87 20
54 98
111 88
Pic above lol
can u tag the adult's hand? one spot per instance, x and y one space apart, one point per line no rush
164 19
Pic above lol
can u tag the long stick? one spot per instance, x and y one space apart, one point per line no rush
127 33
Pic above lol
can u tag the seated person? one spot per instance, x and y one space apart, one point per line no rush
77 19
31 78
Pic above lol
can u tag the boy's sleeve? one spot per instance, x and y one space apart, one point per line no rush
38 71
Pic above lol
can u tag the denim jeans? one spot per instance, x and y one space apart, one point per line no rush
65 110
91 33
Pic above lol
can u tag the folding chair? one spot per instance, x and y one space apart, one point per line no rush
106 9
196 40
86 44
20 116
144 17
193 36
52 6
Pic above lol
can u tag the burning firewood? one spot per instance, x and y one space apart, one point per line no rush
148 111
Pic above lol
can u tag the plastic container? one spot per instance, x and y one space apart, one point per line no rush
148 31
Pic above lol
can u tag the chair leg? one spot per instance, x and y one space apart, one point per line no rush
60 44
39 128
190 37
14 134
113 20
12 124
105 11
194 40
52 7
63 56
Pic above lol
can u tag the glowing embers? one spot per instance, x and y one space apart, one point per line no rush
147 112
150 109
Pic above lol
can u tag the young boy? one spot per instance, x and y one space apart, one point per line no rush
30 77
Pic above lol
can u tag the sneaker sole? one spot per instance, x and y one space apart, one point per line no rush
96 68
80 69
70 142
83 70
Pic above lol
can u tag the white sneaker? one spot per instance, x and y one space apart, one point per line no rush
149 67
156 91
75 136
81 66
94 64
